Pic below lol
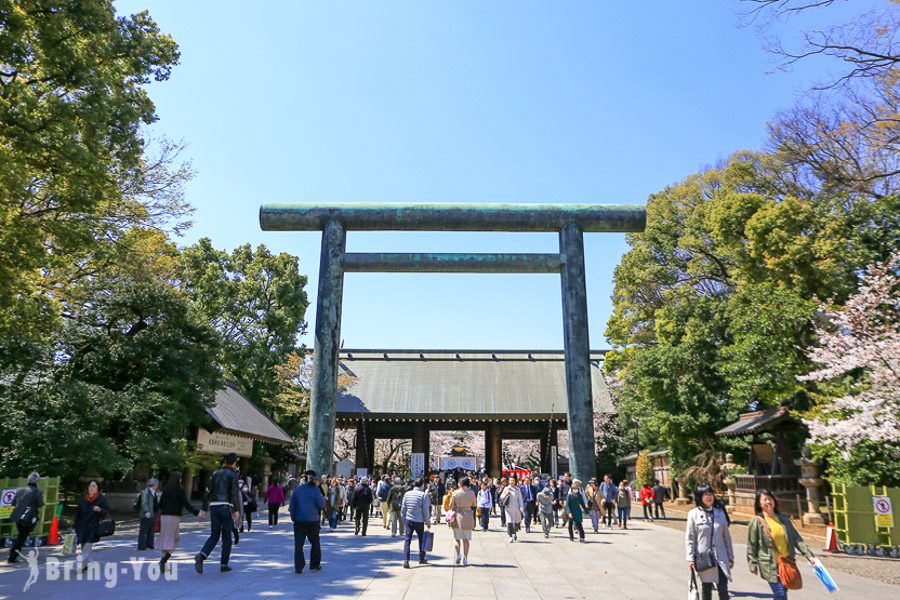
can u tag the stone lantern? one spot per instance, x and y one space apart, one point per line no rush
267 462
682 492
729 468
809 479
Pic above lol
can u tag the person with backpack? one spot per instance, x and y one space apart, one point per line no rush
381 492
26 508
609 490
149 504
659 499
362 500
594 502
623 503
248 505
485 504
395 505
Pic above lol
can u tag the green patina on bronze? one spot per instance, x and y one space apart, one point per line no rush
570 221
453 217
389 262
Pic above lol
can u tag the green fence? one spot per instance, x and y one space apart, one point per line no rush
48 485
855 519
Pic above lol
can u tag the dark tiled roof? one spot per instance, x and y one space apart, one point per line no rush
237 415
756 421
476 385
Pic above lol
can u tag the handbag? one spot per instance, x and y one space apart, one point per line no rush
105 528
157 523
450 518
69 544
428 541
707 560
693 590
788 572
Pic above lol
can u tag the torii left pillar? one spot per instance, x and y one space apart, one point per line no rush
328 345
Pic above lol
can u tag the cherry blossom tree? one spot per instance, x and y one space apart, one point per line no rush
859 350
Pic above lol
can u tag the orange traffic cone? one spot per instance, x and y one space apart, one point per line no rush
831 541
53 538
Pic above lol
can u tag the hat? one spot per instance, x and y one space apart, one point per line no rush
34 477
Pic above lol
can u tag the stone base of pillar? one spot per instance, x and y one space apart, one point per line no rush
813 519
682 501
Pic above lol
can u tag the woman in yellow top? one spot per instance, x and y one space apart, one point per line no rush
762 553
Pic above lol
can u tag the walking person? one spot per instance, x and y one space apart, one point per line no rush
382 491
223 503
463 504
659 499
565 484
436 493
362 501
306 504
623 503
237 521
274 501
26 507
248 504
594 502
395 506
545 504
333 503
500 488
609 491
708 546
529 495
647 501
148 506
772 546
92 508
172 504
514 507
416 516
575 506
485 505
554 489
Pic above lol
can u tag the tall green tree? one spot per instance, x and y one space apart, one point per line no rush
75 163
256 301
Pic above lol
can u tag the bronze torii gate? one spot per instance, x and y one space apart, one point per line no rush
569 220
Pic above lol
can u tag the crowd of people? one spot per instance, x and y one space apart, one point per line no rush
409 507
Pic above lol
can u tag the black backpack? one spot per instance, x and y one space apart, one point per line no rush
396 502
136 505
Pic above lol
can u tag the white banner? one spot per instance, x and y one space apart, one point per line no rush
223 443
417 464
448 463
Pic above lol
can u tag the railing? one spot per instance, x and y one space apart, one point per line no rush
777 484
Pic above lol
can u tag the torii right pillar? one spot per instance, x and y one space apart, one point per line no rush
582 461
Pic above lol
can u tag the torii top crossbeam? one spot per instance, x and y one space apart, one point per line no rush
452 217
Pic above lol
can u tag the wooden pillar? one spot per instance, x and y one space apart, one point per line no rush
370 451
545 454
363 459
492 445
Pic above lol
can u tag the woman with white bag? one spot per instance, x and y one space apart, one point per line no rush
709 552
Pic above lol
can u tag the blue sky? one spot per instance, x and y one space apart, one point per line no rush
582 102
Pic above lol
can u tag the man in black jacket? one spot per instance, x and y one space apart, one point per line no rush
224 500
362 500
27 504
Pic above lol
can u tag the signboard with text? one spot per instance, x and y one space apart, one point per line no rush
884 512
449 463
223 443
417 464
6 503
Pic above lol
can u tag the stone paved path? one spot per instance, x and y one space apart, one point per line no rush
644 563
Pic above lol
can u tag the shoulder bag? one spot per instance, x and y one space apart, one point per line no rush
788 572
704 561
